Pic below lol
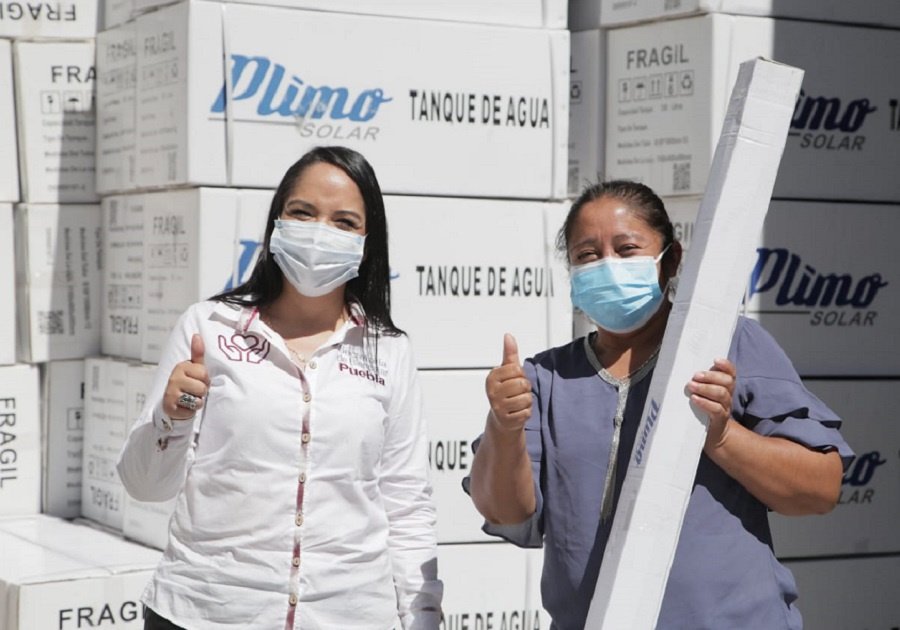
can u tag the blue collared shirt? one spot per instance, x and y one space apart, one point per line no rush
725 573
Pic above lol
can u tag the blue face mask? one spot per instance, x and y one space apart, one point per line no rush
618 294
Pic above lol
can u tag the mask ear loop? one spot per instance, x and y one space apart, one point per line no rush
672 281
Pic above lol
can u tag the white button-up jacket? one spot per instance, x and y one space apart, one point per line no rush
303 498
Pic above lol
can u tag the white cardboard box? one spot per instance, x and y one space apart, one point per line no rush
491 586
67 19
56 121
106 424
505 278
20 441
116 109
864 521
455 409
826 284
146 523
9 157
64 576
57 281
529 13
123 275
63 437
585 14
660 476
7 286
470 123
197 242
669 84
587 109
848 594
116 12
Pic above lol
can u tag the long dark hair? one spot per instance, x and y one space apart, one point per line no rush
372 287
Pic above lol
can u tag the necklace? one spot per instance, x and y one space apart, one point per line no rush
296 356
592 340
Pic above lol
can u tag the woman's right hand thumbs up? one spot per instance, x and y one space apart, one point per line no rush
188 384
508 390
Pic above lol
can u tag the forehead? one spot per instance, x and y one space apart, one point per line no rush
325 183
607 217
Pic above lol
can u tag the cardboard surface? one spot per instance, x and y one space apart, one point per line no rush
455 409
63 437
68 19
826 284
611 13
869 505
505 278
501 101
58 574
587 110
197 243
56 121
9 159
660 475
123 275
530 13
20 441
57 281
7 286
848 594
105 426
668 83
116 109
490 586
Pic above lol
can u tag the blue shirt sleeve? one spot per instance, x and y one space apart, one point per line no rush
770 397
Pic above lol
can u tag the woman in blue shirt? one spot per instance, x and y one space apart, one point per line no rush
550 464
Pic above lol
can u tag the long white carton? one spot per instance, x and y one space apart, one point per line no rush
64 576
659 480
63 437
587 14
863 597
477 111
62 19
116 82
106 424
20 441
123 275
455 262
146 523
455 409
55 114
826 284
864 521
9 159
669 84
7 286
529 13
57 281
197 243
587 109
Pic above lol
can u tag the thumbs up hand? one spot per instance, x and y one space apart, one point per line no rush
188 384
508 390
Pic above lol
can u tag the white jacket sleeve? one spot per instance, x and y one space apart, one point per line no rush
155 457
406 492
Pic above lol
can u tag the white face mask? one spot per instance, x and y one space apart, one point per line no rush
314 257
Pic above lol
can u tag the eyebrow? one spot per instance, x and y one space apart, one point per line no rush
618 238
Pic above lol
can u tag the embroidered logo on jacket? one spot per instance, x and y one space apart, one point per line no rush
244 347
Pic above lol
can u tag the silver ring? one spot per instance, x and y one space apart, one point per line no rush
188 401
